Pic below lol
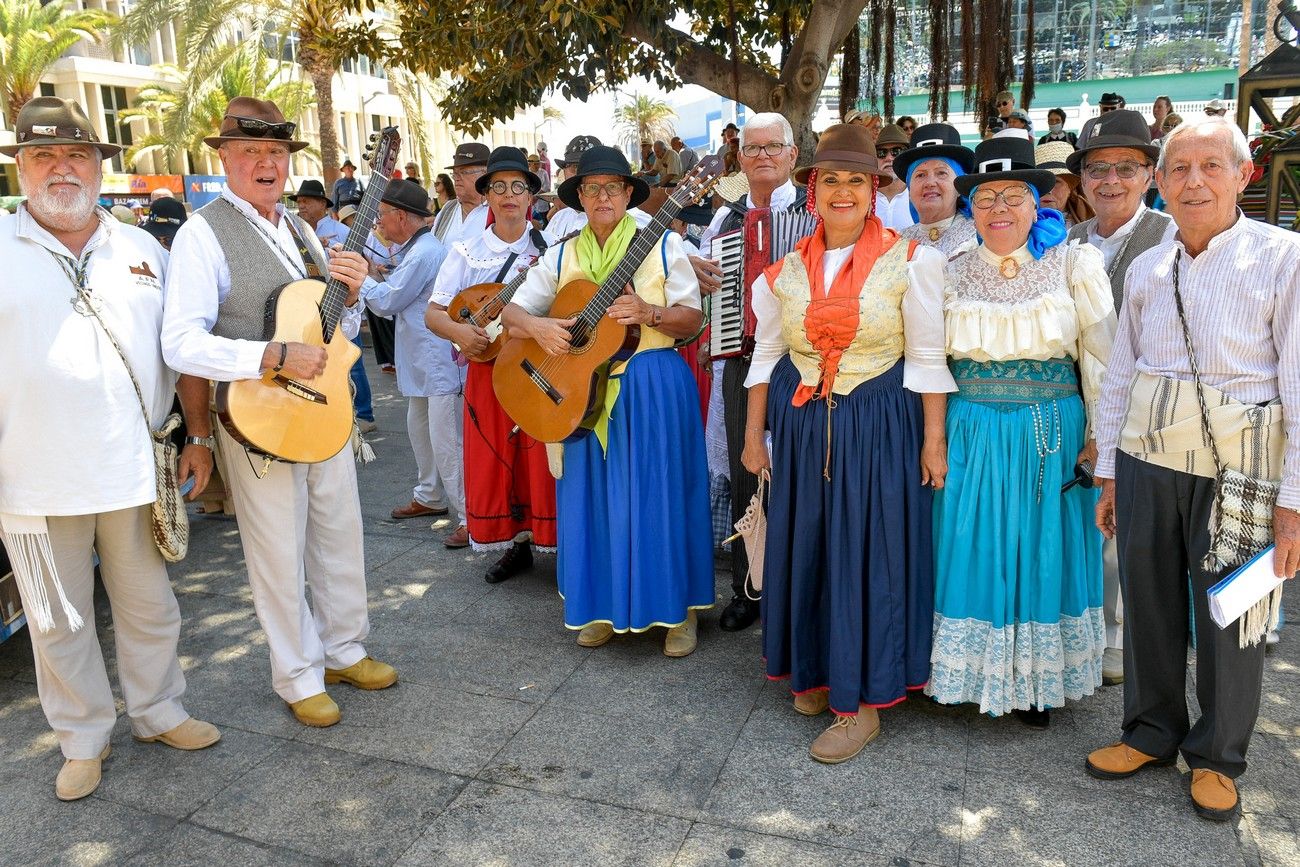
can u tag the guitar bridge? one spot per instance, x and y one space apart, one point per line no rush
541 382
297 389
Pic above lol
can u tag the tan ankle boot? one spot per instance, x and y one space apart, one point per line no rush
846 737
813 703
79 777
681 640
595 634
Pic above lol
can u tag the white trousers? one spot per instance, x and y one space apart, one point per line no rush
300 526
434 425
1112 601
70 675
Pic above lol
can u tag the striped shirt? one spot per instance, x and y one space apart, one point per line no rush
1241 297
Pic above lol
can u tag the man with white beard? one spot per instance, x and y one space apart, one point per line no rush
76 459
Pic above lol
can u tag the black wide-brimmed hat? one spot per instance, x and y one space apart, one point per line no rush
602 160
1010 158
311 189
1121 128
49 120
249 119
932 141
578 145
165 216
1111 99
507 159
845 147
408 196
469 154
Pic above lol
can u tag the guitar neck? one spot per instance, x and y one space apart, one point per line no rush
642 246
336 294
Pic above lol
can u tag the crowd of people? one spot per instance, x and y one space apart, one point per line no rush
964 409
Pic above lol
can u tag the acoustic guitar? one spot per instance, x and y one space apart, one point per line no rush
308 421
551 396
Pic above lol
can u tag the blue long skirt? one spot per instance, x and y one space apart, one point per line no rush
634 544
1018 598
848 586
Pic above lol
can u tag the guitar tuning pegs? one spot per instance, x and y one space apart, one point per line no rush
374 137
365 157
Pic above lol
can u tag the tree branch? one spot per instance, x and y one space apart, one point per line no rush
697 64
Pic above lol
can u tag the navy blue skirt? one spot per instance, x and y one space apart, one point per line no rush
848 575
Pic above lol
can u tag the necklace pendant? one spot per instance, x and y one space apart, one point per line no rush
935 233
1009 268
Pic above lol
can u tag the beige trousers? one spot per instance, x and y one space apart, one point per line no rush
300 526
70 675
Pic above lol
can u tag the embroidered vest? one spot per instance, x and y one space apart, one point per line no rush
878 344
255 270
648 281
1149 231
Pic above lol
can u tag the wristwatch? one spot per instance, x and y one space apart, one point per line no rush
656 317
208 443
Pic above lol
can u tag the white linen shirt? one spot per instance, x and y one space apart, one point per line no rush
200 281
895 213
460 225
426 363
925 364
72 437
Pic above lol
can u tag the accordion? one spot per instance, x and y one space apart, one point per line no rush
743 253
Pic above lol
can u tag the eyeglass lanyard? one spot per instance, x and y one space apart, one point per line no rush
294 267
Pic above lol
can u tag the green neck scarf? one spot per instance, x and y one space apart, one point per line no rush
598 262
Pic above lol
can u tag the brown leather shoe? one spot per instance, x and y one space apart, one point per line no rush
846 737
1213 795
813 703
458 539
416 509
1119 760
192 734
79 777
367 673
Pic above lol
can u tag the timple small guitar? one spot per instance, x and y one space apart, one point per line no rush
308 421
548 396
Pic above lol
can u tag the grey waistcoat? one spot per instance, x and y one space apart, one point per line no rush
1149 231
255 270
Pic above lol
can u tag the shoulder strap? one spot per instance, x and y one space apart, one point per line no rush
1196 374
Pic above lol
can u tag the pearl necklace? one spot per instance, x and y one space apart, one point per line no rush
1042 428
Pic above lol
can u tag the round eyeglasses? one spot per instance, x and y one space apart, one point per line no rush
1011 198
593 190
517 188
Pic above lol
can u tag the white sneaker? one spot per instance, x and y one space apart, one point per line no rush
1112 666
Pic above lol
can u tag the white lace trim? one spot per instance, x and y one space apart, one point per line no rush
1019 666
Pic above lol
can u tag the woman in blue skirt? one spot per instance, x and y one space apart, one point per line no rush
849 375
632 503
1018 596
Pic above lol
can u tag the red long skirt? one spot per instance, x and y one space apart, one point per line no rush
508 485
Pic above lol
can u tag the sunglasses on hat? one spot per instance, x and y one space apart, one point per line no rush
251 126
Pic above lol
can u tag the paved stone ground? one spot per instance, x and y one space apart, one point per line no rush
505 743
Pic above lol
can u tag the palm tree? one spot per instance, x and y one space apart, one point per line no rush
410 89
32 36
645 118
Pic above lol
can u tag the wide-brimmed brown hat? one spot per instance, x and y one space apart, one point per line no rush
49 120
469 154
844 147
249 119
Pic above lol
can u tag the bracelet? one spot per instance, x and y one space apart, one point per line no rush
656 316
207 442
284 355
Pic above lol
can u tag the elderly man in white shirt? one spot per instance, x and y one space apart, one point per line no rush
76 458
299 523
1116 161
1213 316
465 218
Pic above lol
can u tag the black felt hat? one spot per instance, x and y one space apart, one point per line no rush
1121 128
407 196
578 145
931 141
311 189
165 216
507 159
1111 99
1009 158
602 160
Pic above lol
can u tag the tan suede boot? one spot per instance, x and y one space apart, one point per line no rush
681 640
1213 795
846 737
595 634
79 777
813 703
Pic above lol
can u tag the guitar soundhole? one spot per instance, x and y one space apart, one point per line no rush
580 336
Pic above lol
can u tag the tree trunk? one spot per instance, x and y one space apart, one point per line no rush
322 79
1243 57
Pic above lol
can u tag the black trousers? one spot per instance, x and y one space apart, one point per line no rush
744 484
1163 521
381 336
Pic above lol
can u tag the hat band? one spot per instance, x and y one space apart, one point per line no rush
838 156
43 131
999 165
930 142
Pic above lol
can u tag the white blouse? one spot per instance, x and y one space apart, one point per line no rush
925 368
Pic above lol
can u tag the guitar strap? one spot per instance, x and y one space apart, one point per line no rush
313 270
539 243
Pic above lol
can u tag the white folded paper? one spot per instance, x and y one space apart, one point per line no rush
1238 592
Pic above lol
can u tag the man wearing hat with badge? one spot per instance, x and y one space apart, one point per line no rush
510 498
467 216
427 373
299 524
76 462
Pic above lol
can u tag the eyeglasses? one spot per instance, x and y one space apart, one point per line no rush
1004 102
515 187
892 151
593 191
1106 108
251 126
1012 198
1127 169
468 173
772 149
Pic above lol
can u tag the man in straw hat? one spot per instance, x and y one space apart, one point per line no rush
1208 339
299 524
76 464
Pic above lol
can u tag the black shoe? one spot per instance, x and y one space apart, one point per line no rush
518 559
739 614
1035 718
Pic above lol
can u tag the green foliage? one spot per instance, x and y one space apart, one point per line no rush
645 118
34 35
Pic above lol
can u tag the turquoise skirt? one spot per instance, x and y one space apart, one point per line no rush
1018 580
